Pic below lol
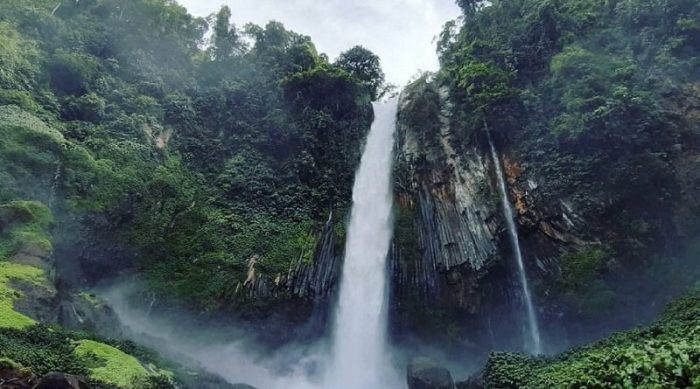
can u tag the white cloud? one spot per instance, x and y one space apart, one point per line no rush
401 32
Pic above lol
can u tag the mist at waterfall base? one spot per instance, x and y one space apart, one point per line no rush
357 355
226 351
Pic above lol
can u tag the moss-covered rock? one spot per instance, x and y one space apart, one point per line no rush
9 317
110 365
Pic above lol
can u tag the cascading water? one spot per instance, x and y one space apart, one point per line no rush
359 356
535 345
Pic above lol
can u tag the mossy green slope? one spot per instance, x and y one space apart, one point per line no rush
109 364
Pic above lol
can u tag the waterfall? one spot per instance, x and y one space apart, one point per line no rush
359 355
535 346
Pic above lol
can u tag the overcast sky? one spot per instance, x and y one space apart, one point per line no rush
401 32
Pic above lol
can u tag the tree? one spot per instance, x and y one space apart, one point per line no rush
469 7
364 65
226 39
486 84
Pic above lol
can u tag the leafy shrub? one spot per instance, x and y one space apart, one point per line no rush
24 225
41 350
89 108
664 355
72 73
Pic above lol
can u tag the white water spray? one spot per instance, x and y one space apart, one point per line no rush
534 345
359 355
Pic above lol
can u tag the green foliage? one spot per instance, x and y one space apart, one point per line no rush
664 355
24 227
40 350
485 84
587 96
365 66
18 60
20 98
88 108
72 73
421 114
581 284
118 118
226 41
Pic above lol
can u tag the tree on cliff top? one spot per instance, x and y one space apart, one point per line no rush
364 65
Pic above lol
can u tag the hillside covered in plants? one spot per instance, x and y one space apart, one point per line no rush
198 158
158 147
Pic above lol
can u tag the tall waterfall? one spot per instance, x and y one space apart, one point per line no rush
359 357
534 345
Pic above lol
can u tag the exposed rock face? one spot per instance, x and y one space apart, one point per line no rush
453 280
13 377
454 218
61 381
423 373
85 311
446 254
38 301
307 281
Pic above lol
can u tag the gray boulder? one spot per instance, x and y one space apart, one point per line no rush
423 373
61 381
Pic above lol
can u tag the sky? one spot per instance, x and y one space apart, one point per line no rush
401 32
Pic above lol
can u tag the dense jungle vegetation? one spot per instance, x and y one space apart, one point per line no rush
138 139
160 140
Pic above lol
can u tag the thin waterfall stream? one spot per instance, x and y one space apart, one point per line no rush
359 354
535 343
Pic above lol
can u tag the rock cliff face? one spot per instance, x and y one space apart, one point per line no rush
446 258
453 280
445 197
314 281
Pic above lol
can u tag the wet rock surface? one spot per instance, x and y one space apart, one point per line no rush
423 373
242 386
38 301
455 220
61 381
85 311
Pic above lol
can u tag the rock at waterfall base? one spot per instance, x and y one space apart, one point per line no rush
61 381
423 373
